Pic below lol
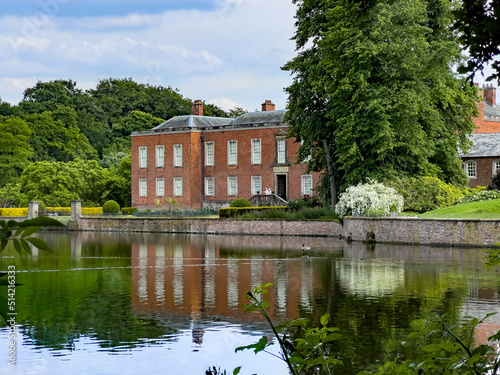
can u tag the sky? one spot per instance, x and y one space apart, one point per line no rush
226 52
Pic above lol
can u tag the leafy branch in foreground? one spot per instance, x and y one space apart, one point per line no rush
308 351
19 233
492 258
434 348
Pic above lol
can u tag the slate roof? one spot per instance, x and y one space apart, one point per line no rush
489 110
192 121
265 117
485 145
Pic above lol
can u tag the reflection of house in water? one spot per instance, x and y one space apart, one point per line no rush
193 281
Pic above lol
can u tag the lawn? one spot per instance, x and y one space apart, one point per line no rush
489 209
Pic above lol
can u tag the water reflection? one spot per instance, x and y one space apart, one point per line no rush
116 292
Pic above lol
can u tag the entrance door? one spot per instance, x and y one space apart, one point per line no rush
281 186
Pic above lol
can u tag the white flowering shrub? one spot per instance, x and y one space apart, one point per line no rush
481 195
370 199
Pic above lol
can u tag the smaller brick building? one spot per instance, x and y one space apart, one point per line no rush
206 162
482 161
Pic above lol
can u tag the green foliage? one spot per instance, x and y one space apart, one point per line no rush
315 213
128 210
111 207
309 351
481 195
15 150
374 87
9 195
492 258
306 202
434 348
217 371
229 212
241 202
422 194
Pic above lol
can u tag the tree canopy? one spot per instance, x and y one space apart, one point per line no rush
374 94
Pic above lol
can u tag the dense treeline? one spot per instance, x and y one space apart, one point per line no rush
62 143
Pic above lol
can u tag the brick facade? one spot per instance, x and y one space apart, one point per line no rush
480 162
197 135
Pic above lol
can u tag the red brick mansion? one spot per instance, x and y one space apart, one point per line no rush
206 162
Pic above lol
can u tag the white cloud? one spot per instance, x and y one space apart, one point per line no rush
234 51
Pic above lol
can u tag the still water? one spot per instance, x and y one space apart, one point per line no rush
165 304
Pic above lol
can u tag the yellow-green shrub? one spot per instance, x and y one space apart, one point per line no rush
128 210
228 212
91 211
14 212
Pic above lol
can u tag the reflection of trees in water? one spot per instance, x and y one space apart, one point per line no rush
85 303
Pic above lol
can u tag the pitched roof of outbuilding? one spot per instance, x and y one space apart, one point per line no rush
489 110
484 145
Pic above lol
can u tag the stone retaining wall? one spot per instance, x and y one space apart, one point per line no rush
212 226
449 232
454 232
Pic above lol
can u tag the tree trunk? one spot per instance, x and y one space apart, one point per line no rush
333 187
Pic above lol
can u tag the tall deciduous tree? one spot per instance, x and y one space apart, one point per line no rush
15 150
374 87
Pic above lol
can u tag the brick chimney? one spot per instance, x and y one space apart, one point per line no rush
197 108
268 106
490 94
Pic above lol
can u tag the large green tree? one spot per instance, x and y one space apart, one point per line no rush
374 93
15 151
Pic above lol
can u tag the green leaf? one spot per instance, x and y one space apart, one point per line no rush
3 244
236 371
258 347
25 246
17 246
29 231
41 221
324 319
38 243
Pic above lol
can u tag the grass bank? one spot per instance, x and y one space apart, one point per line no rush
488 209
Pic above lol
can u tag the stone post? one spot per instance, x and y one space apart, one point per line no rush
32 210
76 210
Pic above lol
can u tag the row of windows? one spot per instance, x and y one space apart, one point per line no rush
232 153
471 168
232 186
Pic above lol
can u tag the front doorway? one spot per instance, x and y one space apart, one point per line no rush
281 186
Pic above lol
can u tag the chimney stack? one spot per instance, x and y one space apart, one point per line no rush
268 106
490 94
197 108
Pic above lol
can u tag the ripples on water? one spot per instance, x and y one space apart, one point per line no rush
108 303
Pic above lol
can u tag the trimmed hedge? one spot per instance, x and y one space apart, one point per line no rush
91 211
14 212
229 212
241 202
128 210
111 207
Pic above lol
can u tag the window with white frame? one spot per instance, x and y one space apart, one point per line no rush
232 186
177 186
307 184
496 167
256 151
177 155
143 157
160 157
232 152
160 187
256 185
209 153
143 187
281 146
471 169
209 187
